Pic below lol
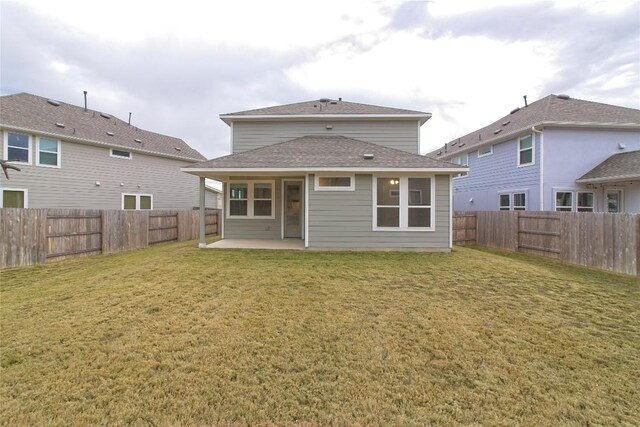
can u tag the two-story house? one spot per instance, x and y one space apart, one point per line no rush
333 174
557 153
75 157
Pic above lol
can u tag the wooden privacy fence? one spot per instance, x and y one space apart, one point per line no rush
603 240
34 236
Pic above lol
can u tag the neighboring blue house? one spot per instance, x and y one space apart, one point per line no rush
557 153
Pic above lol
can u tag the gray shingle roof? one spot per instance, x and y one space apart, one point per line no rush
323 152
551 109
621 166
31 112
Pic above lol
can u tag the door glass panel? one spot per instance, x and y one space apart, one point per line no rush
293 210
613 201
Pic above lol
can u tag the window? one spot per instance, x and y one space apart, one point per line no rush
485 151
525 151
335 183
564 201
403 203
505 202
519 202
13 198
251 199
17 148
48 152
121 154
461 159
137 201
585 201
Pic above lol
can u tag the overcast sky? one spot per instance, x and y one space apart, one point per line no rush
178 65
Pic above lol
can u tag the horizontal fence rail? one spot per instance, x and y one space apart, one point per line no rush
603 240
35 236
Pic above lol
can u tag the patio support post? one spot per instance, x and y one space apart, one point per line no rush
203 243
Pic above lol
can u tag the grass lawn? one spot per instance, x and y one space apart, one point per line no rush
174 335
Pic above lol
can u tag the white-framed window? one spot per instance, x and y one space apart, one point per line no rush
137 201
462 160
17 148
519 201
585 201
14 198
403 203
504 201
485 151
526 151
335 182
563 201
251 199
48 152
121 154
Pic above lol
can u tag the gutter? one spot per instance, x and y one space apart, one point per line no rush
228 118
608 179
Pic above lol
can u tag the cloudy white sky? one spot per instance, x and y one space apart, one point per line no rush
178 65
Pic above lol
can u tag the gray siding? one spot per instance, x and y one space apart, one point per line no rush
345 220
402 135
73 185
250 228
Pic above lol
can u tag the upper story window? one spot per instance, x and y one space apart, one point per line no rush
251 199
461 159
403 203
564 201
485 151
525 151
17 148
120 153
335 182
48 152
137 201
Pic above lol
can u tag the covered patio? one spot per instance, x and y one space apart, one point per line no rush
272 244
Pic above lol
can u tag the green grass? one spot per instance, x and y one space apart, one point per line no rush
174 335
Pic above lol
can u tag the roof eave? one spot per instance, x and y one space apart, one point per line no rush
208 172
229 118
604 179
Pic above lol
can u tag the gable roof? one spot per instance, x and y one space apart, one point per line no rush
619 167
326 107
314 153
31 113
553 110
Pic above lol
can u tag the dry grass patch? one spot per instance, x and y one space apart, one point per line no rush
178 336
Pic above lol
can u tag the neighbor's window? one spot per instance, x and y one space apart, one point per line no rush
585 201
335 183
462 160
519 202
525 151
251 200
485 151
14 198
403 203
120 153
564 201
17 148
48 152
505 202
137 201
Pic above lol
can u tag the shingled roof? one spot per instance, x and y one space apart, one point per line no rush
619 167
31 113
327 107
313 152
558 110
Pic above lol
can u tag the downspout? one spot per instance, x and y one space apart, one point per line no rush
203 243
533 129
306 211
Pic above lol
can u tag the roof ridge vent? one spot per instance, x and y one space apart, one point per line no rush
515 110
53 102
563 96
325 100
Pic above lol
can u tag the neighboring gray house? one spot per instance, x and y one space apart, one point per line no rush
335 174
73 157
546 156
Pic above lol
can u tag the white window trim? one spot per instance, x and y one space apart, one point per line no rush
533 151
351 187
485 154
137 196
120 157
404 203
24 190
513 200
460 174
593 198
29 150
58 152
500 206
250 199
555 200
610 189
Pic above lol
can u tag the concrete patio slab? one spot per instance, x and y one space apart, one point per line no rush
286 244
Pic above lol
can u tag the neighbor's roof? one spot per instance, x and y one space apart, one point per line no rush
619 167
31 113
310 153
326 107
558 110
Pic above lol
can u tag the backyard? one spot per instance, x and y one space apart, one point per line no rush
174 335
